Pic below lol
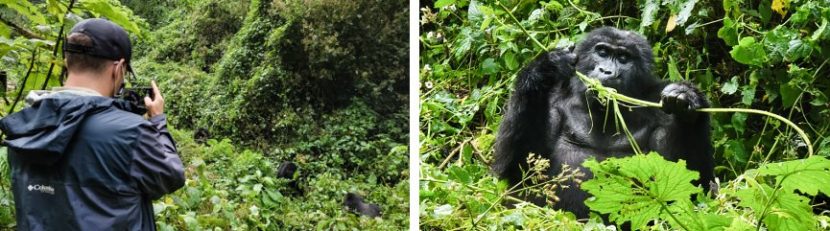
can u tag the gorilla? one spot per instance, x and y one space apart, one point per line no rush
291 171
548 114
201 135
354 203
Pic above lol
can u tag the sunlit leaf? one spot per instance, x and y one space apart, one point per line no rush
635 188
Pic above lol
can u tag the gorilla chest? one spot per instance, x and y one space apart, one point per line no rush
577 132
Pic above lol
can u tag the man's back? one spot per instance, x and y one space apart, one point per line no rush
113 164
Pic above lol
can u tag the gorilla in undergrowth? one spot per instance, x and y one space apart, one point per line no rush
548 113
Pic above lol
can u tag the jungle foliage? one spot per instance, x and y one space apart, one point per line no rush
319 82
769 55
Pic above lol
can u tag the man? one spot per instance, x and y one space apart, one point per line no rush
80 160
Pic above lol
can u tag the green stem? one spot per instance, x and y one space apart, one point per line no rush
594 84
521 27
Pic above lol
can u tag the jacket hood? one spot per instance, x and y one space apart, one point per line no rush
41 132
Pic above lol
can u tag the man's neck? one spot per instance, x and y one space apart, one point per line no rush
89 81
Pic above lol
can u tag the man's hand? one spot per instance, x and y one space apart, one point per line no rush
154 107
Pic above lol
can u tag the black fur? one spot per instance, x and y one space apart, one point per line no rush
290 170
548 113
354 203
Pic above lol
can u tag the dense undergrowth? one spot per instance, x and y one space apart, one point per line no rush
767 55
319 82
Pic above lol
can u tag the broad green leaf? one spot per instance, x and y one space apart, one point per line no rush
464 43
489 66
797 49
749 52
788 95
730 87
783 210
728 32
649 13
113 11
510 61
25 8
810 176
635 188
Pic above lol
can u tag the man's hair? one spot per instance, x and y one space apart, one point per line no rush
81 62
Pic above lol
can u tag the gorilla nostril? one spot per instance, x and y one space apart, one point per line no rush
607 72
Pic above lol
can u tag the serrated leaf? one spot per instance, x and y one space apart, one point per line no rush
810 176
635 188
783 210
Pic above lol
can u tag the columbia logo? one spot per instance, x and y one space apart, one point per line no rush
42 188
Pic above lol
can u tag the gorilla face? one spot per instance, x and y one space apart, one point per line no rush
616 57
612 64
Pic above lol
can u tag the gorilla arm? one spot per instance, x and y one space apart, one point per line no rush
525 123
688 135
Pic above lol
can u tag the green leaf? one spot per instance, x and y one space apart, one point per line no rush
783 210
685 11
810 176
748 94
674 74
649 13
27 9
636 188
489 66
820 31
788 95
443 3
730 87
739 122
749 52
797 49
113 11
510 61
728 32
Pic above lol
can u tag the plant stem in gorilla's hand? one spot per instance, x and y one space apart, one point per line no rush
606 94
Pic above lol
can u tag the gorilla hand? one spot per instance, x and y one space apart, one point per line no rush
547 69
682 99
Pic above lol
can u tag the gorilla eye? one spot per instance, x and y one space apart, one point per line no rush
601 51
623 58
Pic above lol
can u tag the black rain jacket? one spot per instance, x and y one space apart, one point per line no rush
85 163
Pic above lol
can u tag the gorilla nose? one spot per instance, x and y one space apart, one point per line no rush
605 72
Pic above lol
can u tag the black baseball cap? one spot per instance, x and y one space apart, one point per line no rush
109 41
